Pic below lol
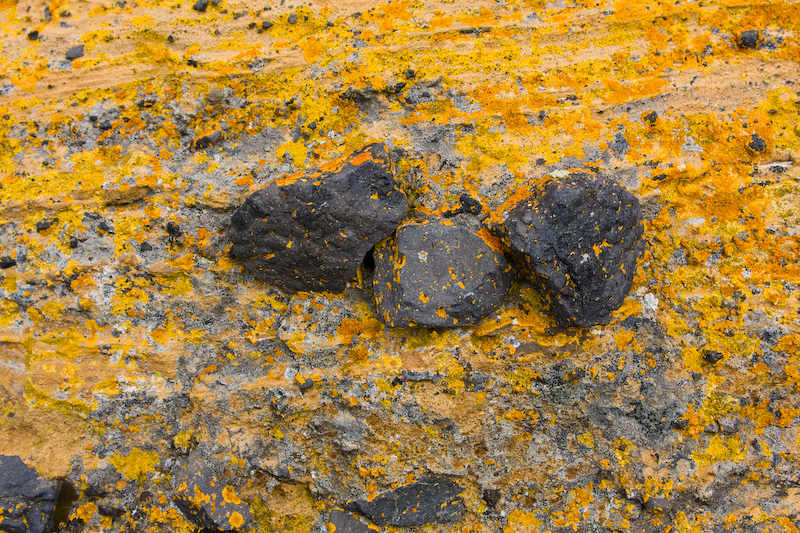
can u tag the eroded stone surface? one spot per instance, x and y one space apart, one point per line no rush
431 500
27 501
311 232
437 274
580 239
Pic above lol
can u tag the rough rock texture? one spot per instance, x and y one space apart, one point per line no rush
202 494
27 501
580 239
434 273
312 232
431 500
344 522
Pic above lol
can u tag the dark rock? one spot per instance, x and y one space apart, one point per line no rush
470 205
267 24
579 239
492 497
201 6
431 500
204 497
43 224
173 229
748 39
7 262
145 247
73 242
712 356
292 18
437 274
312 231
192 62
207 140
75 52
344 522
657 504
33 35
651 117
27 502
757 144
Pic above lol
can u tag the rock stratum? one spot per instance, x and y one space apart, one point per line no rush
152 382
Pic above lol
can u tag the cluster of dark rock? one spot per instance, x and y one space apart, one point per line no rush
27 501
578 239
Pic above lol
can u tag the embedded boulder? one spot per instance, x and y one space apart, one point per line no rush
203 496
579 239
27 501
431 500
437 274
310 232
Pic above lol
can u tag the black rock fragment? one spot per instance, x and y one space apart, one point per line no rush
344 522
757 144
43 224
310 232
579 239
437 274
33 35
7 262
267 24
207 140
748 39
431 500
203 497
201 6
712 356
27 502
292 18
75 52
651 117
470 205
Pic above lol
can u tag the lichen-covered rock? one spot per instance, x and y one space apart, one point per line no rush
343 522
580 239
310 232
27 501
204 497
437 274
431 500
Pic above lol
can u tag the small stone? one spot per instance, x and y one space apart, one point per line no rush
192 62
201 6
207 140
344 522
712 356
431 500
33 35
145 247
73 242
173 229
437 274
292 18
748 39
43 224
7 262
75 52
267 24
757 144
204 497
579 239
311 232
470 205
651 117
27 501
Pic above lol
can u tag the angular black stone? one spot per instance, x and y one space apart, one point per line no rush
712 356
431 500
7 262
579 239
200 5
437 274
203 497
344 522
748 39
27 501
75 52
651 117
311 232
756 143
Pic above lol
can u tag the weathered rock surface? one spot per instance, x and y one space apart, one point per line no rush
311 232
580 239
27 501
344 522
204 498
437 274
431 500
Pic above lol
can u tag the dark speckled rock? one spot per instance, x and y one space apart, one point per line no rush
580 239
431 500
27 501
437 274
311 232
344 522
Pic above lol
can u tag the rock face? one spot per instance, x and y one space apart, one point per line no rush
579 239
203 497
437 274
27 501
311 232
431 500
